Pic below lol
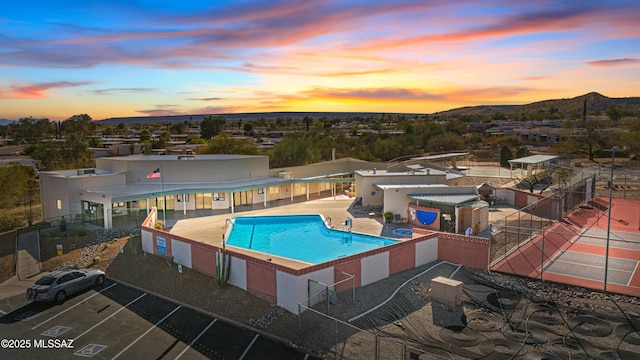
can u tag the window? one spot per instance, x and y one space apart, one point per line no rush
183 197
218 196
65 278
260 190
59 204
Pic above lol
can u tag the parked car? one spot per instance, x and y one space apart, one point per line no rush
62 283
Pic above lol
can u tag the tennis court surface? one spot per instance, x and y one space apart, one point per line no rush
576 250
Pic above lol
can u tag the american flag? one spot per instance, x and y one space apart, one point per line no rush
154 175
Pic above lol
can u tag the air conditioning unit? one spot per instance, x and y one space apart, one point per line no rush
285 175
446 291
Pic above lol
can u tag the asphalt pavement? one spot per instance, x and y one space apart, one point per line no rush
119 322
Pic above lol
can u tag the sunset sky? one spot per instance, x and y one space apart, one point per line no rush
136 58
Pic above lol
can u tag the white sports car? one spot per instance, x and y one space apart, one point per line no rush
62 283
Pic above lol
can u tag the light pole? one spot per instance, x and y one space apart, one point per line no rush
606 256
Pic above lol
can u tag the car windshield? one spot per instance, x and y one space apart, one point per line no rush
47 280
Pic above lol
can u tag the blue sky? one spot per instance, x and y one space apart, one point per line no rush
137 58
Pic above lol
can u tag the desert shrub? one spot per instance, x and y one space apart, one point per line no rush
9 222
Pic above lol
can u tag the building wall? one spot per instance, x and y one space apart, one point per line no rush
343 165
413 220
373 196
523 198
70 189
202 169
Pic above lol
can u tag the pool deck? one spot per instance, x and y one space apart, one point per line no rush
210 229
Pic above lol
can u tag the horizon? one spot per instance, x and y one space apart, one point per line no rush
138 59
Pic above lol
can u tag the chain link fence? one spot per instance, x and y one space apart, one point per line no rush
518 228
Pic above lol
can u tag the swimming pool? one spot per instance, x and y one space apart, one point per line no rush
300 237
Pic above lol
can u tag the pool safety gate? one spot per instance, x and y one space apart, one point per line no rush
319 292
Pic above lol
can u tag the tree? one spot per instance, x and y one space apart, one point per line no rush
505 156
614 114
248 127
162 141
448 141
632 140
31 131
211 126
591 139
522 152
144 135
94 142
71 153
80 125
177 128
224 144
296 150
19 188
539 178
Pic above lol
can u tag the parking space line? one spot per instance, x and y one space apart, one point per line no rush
146 332
109 317
62 312
249 347
196 339
3 312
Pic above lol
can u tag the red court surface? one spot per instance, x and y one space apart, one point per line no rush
574 251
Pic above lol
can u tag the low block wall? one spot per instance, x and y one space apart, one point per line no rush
470 251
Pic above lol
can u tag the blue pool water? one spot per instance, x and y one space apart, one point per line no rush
300 237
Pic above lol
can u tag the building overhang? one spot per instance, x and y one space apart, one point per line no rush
446 199
133 192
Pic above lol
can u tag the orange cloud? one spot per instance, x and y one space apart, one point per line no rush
615 62
35 91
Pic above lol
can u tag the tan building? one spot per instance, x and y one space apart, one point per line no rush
122 190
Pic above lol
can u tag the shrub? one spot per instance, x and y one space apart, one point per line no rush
10 222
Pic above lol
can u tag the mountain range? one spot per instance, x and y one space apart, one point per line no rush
595 103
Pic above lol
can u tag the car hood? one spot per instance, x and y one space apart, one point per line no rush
92 272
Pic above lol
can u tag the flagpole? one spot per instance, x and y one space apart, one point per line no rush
164 201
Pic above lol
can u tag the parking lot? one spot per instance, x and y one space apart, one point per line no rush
118 322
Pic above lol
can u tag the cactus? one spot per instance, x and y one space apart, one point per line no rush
223 266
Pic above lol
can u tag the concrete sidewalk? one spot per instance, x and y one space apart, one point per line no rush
15 286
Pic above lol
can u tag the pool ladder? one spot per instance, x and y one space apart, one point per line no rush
348 224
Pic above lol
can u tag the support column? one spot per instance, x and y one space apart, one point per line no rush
291 191
264 190
147 206
307 191
232 201
106 214
184 204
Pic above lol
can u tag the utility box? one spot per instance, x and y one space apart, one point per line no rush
446 291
